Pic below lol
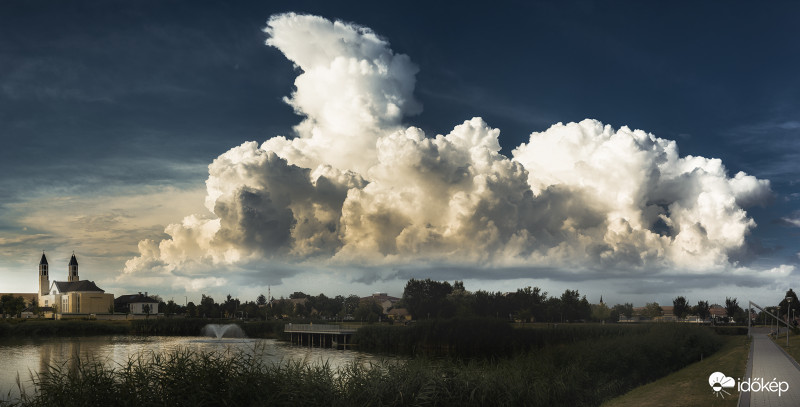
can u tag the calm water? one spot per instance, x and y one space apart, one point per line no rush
25 356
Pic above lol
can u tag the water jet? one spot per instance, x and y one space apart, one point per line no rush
223 331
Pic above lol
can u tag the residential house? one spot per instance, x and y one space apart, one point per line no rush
137 304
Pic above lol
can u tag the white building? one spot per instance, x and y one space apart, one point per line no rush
136 304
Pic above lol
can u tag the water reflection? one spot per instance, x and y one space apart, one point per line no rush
26 357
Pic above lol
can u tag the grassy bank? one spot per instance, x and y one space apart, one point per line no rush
193 326
29 328
689 386
794 344
151 326
571 373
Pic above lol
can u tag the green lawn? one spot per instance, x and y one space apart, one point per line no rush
689 386
794 344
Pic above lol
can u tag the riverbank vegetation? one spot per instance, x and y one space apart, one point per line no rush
193 326
684 387
72 327
486 337
151 326
568 368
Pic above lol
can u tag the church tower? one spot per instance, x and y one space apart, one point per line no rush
44 276
73 269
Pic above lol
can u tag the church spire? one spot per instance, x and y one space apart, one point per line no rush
44 276
73 269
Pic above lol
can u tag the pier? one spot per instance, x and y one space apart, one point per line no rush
322 335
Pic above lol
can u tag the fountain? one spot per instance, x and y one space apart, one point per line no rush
223 331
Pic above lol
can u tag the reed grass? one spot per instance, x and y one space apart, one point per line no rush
150 326
572 373
485 337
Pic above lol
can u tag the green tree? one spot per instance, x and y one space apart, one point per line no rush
680 307
601 312
702 310
326 307
38 310
574 307
350 304
459 299
621 309
529 303
794 304
12 305
261 300
191 309
230 307
251 310
732 307
554 311
171 308
301 310
208 308
368 310
427 298
652 310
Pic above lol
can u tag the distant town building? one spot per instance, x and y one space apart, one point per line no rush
385 300
138 304
74 296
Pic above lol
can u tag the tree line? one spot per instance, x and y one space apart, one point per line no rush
298 305
428 299
431 299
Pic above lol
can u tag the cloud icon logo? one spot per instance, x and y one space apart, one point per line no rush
719 382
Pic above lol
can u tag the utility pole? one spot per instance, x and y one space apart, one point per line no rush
788 316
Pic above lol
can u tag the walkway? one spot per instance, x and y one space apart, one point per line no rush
768 361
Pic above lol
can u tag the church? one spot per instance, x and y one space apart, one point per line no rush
74 296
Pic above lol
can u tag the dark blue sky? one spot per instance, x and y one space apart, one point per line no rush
105 96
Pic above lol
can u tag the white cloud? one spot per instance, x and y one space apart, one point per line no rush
357 187
792 221
351 90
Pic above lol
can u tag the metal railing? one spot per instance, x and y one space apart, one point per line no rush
319 328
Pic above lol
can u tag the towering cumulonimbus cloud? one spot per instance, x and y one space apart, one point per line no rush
352 90
355 186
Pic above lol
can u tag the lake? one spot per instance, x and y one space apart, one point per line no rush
23 356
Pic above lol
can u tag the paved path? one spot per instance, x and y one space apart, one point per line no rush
768 361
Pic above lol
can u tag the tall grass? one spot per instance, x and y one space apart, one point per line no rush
151 326
579 373
264 329
481 337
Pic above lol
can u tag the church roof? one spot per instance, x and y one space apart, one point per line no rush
134 298
73 261
43 260
81 285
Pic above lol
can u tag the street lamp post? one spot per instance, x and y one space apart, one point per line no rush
788 314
